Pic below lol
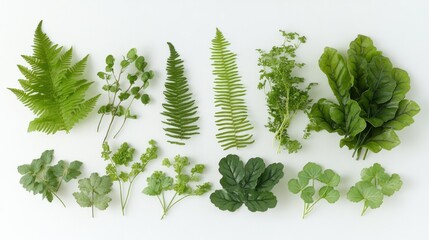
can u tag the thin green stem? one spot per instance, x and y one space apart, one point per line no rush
92 205
125 118
365 207
121 197
59 198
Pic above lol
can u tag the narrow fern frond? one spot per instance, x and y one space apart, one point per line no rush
231 118
179 106
53 88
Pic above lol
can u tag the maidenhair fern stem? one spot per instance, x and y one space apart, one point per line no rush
128 191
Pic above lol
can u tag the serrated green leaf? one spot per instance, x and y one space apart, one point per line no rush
310 171
329 193
375 174
158 182
393 184
330 178
365 191
385 140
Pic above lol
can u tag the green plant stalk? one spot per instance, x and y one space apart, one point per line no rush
53 192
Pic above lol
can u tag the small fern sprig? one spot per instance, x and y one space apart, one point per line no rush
231 119
54 88
122 95
179 108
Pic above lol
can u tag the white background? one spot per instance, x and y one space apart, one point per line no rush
398 28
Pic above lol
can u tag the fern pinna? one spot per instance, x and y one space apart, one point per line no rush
180 108
54 88
231 119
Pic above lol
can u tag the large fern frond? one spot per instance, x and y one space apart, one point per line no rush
231 119
179 107
53 88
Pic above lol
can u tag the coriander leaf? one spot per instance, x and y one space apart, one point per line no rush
253 169
329 193
260 201
310 171
330 178
307 194
295 186
393 184
232 170
375 174
157 183
365 191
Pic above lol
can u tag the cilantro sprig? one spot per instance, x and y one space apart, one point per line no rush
40 177
375 184
306 185
159 183
123 158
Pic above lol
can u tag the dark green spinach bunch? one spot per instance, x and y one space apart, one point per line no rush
370 95
159 183
285 98
375 184
249 184
123 158
40 177
305 184
121 94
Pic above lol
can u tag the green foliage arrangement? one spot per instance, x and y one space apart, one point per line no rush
123 158
121 94
305 184
41 177
179 107
53 89
250 184
284 97
94 192
159 183
370 94
231 119
375 184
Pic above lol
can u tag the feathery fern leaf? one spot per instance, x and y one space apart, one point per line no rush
231 119
53 88
179 108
